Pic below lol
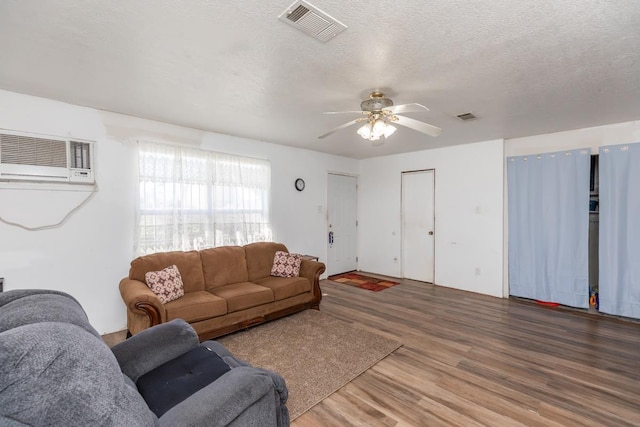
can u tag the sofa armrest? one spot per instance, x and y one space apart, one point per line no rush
312 271
152 347
141 300
235 396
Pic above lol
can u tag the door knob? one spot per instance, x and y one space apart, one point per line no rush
431 233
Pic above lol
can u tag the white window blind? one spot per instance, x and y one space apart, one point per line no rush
193 199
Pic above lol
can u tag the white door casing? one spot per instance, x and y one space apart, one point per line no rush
418 231
342 224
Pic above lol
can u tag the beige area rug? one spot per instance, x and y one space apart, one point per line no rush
315 353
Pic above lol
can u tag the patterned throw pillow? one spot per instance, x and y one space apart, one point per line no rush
166 284
286 264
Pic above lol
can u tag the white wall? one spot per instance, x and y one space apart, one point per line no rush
89 254
594 137
468 210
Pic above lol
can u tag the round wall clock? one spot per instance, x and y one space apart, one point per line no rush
299 184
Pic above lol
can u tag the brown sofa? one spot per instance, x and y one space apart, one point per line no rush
225 289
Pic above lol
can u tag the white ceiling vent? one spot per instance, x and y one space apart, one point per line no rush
312 21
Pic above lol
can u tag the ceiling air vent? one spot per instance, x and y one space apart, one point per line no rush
312 21
466 116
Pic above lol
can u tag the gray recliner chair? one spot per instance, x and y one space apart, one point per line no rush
55 369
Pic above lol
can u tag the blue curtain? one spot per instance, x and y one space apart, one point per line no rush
548 206
619 237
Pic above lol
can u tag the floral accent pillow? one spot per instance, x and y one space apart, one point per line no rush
286 264
166 284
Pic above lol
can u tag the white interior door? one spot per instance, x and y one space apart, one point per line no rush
342 224
418 225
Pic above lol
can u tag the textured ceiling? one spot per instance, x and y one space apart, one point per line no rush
523 67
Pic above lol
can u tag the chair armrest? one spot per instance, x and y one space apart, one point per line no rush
141 300
152 347
227 398
312 271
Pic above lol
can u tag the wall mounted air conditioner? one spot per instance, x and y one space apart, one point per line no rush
31 157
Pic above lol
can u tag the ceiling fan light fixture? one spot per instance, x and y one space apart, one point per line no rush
379 128
375 129
389 130
365 131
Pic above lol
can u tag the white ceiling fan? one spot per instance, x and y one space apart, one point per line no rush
379 114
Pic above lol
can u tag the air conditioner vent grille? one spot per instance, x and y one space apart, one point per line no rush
26 150
311 20
79 155
298 13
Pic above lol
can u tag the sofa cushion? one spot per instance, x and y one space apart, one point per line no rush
188 264
174 381
286 264
195 306
286 287
260 258
240 296
166 283
223 265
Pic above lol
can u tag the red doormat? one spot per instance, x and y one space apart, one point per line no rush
362 281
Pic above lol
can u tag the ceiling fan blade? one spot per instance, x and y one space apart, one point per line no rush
406 108
418 125
352 122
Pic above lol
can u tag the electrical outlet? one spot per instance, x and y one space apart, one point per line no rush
477 271
395 259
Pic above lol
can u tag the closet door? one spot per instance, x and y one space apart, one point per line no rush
418 240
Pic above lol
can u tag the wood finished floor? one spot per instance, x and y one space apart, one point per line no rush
472 360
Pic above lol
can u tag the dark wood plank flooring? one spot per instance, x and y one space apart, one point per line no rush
471 360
